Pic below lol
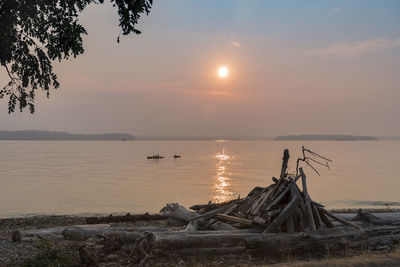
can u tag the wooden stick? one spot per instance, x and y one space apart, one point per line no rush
234 219
279 197
324 219
282 217
302 206
285 160
212 213
317 218
343 221
260 202
310 217
212 221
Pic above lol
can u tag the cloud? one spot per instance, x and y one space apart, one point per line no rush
357 48
235 44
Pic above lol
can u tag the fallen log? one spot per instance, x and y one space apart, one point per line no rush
341 220
322 242
54 233
317 217
212 221
285 161
310 218
332 240
210 206
324 218
284 215
213 213
176 211
370 218
234 219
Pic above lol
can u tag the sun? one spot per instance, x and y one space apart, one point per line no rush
223 72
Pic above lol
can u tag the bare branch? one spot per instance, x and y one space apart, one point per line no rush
308 160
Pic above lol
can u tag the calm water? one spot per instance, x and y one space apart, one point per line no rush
86 177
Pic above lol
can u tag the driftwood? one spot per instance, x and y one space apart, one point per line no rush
284 215
324 218
379 219
83 232
285 161
343 221
176 211
321 242
209 206
212 221
214 212
234 219
309 214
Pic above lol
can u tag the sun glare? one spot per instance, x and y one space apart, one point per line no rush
223 72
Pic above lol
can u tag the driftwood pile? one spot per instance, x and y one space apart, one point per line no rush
280 207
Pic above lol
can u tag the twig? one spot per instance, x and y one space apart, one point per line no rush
308 160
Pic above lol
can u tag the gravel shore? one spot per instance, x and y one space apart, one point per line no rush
14 253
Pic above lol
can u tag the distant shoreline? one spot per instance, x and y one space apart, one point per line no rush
34 135
323 137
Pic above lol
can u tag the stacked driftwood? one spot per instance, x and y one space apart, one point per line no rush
280 207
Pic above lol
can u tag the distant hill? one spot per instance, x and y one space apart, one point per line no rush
48 135
325 137
198 138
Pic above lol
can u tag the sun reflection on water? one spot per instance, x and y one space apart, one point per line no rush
222 193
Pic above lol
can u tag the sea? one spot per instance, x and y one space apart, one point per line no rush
116 177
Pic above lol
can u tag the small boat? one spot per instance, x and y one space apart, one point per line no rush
157 156
176 156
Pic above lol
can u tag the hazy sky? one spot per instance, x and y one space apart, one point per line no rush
295 67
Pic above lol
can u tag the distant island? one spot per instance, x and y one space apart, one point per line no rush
198 138
50 135
325 137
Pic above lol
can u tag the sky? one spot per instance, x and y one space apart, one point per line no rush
295 67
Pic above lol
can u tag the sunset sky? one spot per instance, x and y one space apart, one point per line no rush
323 67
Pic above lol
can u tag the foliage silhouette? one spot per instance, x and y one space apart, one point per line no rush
34 33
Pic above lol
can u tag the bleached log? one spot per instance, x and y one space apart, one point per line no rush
212 213
176 211
324 219
210 206
234 219
334 240
282 217
337 218
310 217
55 233
370 218
285 161
317 217
213 221
261 201
278 198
